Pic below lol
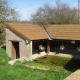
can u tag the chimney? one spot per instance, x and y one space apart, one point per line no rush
79 11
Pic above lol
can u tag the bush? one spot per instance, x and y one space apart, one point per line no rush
4 58
1 42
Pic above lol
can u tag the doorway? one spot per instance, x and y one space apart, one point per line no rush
15 50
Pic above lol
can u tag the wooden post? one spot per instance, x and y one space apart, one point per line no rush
48 46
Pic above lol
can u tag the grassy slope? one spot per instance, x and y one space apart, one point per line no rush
3 57
20 72
24 73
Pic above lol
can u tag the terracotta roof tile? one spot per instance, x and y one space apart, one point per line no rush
28 31
67 32
35 32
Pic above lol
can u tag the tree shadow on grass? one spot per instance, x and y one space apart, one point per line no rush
72 65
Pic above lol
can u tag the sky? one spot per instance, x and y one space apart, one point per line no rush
27 7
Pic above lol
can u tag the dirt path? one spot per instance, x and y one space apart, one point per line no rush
74 76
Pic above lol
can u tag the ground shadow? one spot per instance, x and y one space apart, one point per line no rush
74 62
72 65
3 46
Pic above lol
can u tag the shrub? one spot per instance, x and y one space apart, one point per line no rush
1 42
4 58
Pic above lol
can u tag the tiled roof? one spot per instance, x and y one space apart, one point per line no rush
28 31
66 32
35 32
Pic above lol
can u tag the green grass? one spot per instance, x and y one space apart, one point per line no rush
21 72
53 60
35 64
4 58
39 64
59 63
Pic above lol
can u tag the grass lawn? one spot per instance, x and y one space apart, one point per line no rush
23 73
20 72
59 63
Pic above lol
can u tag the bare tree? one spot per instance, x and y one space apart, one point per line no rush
65 14
62 13
42 15
7 13
79 11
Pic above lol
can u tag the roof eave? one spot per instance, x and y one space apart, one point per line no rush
17 32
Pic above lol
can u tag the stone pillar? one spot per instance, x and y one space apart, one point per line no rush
48 46
30 58
31 47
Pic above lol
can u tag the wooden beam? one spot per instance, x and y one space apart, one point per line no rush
48 46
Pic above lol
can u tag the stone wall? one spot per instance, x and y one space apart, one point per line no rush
25 49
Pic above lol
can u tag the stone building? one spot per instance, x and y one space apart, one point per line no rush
23 40
20 39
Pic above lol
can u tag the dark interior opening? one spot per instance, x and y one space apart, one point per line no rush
15 50
70 48
36 45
